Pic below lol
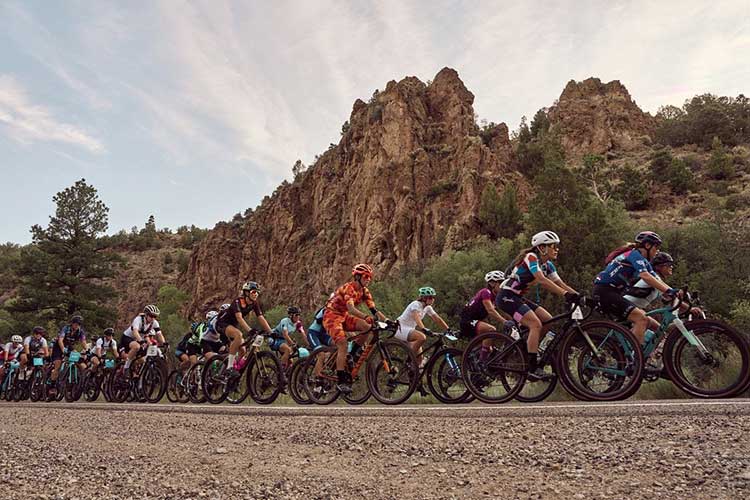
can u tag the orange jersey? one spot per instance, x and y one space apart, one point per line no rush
348 293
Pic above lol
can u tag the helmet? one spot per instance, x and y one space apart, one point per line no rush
648 237
152 310
211 315
76 319
427 291
544 238
292 310
16 338
662 258
38 329
362 270
494 276
249 286
224 307
108 332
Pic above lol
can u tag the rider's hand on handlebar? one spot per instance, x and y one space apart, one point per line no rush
427 331
572 297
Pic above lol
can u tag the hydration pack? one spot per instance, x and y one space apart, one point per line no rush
616 253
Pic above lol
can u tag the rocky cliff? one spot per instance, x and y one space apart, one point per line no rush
595 117
403 184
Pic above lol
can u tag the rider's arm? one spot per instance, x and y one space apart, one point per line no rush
354 311
98 350
264 324
437 319
160 337
26 349
654 281
492 312
551 285
285 334
241 322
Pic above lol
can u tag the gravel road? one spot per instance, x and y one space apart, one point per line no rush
566 451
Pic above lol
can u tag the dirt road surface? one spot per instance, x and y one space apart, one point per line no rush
679 449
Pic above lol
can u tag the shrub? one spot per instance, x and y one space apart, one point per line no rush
681 179
633 188
499 216
720 166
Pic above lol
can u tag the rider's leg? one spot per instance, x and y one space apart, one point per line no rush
532 322
133 348
640 322
416 341
286 351
235 336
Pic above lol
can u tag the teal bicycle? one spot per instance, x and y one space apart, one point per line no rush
705 358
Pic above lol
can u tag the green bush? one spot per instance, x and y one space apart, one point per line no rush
499 216
681 178
633 189
721 165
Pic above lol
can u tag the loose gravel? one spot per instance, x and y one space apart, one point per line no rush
59 451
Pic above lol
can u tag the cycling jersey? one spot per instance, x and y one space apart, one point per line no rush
316 333
70 337
141 325
240 305
642 294
210 334
105 346
623 270
474 310
11 352
291 327
349 294
35 346
406 322
522 275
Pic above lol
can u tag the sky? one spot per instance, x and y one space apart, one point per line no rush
194 110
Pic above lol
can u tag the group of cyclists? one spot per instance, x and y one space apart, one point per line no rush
634 276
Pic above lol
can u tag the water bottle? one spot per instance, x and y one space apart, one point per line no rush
451 362
648 336
546 341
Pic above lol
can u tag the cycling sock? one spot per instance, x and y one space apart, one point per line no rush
230 359
127 363
483 353
342 376
532 361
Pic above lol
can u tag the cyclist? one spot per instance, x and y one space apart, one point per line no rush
104 345
231 322
12 349
212 341
282 342
411 329
316 334
342 315
534 265
68 337
472 319
35 345
189 347
624 270
143 325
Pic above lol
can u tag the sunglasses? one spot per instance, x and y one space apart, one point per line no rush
554 246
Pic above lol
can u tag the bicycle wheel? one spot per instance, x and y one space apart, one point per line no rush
719 372
194 383
153 382
90 386
534 391
16 386
214 379
392 372
296 385
176 392
73 385
360 391
600 361
496 375
444 378
321 387
264 377
119 385
238 390
38 386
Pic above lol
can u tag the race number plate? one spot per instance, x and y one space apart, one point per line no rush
109 363
258 341
577 314
38 362
152 350
74 356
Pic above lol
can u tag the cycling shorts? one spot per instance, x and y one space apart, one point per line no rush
610 301
514 305
57 352
317 339
209 346
403 333
275 344
189 349
467 327
337 325
124 343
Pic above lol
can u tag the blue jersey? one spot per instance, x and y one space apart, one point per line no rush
291 327
624 269
522 276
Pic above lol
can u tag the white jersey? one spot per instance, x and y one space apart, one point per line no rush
406 320
105 346
34 344
142 326
210 334
11 351
642 294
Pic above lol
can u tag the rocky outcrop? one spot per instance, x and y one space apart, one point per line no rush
402 185
592 117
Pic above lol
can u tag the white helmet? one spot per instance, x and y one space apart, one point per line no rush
152 310
494 276
16 338
211 315
544 238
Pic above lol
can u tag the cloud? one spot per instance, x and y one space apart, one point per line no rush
28 123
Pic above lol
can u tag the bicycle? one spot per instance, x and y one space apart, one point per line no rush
69 379
294 382
94 381
8 389
39 374
390 374
259 375
148 379
588 362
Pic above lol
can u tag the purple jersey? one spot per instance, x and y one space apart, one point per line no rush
475 310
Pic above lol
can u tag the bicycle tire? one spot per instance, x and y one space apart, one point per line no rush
539 390
296 387
238 391
500 377
213 379
444 378
264 377
91 387
73 387
616 374
119 385
38 386
194 383
686 367
153 381
321 390
399 371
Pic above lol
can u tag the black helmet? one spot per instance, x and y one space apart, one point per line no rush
108 332
292 310
648 237
662 258
76 319
38 329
